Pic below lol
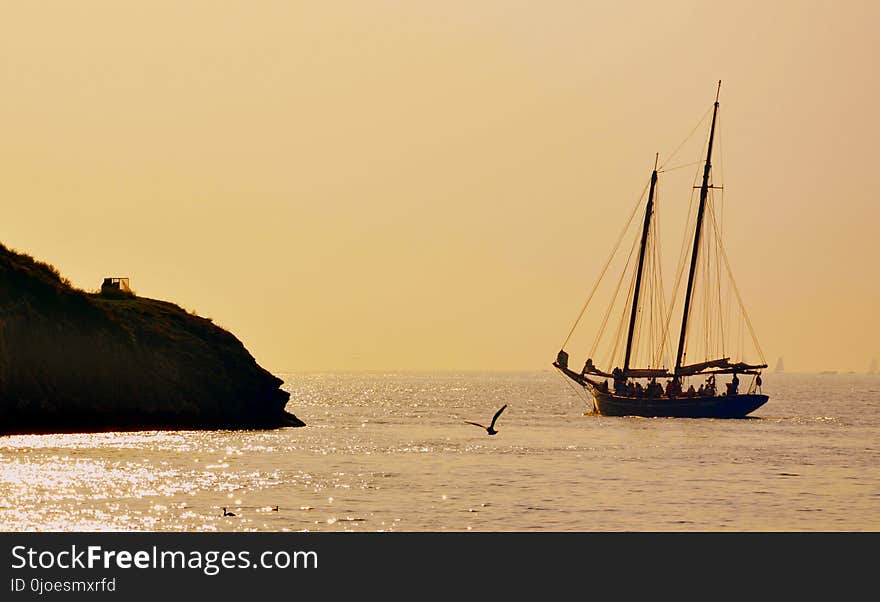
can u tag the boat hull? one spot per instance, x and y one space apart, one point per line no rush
726 406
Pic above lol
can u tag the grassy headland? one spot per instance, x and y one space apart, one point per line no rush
77 361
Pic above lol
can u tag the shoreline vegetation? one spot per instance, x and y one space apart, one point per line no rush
76 361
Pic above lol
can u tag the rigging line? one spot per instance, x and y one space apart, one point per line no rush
658 289
718 217
678 276
657 357
739 299
665 349
682 257
728 304
706 298
698 285
618 336
604 269
711 317
718 271
721 173
580 393
645 319
702 303
679 167
707 289
682 261
649 328
646 322
696 127
653 326
661 296
611 304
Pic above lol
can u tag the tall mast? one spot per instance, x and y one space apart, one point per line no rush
704 192
649 210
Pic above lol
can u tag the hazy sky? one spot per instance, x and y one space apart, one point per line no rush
434 185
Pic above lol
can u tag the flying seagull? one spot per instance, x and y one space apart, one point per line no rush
491 428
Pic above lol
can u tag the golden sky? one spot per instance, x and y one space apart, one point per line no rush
434 185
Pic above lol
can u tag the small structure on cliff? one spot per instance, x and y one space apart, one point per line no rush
112 284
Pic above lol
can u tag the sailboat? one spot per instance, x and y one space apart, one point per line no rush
627 396
780 366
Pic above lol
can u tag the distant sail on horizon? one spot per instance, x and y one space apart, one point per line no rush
780 367
873 368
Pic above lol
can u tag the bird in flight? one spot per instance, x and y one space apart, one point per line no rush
491 428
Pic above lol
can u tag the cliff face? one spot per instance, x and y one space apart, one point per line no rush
75 361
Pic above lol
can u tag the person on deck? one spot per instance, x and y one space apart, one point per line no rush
710 386
562 359
588 366
733 386
690 391
619 381
673 388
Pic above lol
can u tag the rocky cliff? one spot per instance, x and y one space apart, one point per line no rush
72 361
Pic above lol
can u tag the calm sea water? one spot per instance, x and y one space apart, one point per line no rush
390 452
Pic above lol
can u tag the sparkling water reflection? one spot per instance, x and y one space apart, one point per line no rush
387 452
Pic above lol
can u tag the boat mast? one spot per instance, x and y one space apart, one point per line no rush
704 193
649 210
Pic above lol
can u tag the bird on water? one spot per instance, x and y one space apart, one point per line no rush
227 513
491 428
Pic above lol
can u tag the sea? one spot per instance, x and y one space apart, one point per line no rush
391 451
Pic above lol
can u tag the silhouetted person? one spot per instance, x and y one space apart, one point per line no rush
733 387
562 359
710 385
619 381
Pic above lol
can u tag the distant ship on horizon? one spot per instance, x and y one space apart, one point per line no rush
873 368
780 367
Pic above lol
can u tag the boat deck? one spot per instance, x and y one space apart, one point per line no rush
722 406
